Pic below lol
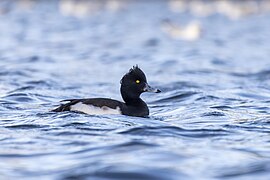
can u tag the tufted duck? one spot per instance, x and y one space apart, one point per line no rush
133 84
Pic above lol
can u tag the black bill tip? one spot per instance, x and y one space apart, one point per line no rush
158 91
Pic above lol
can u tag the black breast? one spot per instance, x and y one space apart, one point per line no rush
138 108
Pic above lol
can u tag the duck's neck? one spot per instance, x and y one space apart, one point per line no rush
131 100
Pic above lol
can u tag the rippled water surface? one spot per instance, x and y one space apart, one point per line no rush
211 121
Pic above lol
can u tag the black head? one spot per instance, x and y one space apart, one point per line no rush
134 83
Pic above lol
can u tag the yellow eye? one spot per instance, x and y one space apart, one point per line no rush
138 81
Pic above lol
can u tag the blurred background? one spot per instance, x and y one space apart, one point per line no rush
210 58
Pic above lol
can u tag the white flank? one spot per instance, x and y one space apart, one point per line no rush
93 110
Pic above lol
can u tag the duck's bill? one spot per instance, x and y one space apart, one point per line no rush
148 88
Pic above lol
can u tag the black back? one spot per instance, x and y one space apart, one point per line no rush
139 109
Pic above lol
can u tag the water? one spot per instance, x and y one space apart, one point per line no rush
211 121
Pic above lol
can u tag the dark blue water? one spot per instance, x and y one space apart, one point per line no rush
212 120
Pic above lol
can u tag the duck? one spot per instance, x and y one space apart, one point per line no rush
133 84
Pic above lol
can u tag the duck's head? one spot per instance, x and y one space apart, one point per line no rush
134 83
